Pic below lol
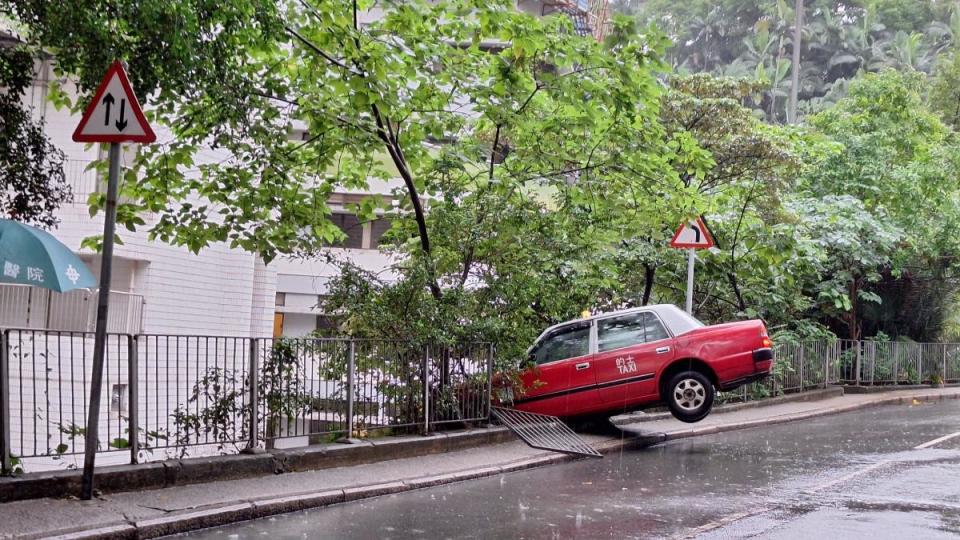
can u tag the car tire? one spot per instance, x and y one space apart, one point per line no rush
689 396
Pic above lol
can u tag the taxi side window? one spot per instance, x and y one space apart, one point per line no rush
629 330
653 328
620 332
569 342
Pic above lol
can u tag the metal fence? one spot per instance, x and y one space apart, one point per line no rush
172 395
818 364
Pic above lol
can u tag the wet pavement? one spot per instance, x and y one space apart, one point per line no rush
850 475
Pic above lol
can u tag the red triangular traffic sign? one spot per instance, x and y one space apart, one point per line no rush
114 114
692 235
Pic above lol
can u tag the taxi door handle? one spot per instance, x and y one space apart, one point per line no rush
662 350
583 366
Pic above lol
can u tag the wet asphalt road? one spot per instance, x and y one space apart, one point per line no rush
855 475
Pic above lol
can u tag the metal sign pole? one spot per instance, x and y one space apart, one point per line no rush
100 339
691 258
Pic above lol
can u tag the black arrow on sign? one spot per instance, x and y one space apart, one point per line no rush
121 123
108 101
696 231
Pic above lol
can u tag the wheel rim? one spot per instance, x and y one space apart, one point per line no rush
689 394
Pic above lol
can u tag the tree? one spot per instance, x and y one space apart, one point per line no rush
945 89
32 183
748 170
838 39
527 154
900 161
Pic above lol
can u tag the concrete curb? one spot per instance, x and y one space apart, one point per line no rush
162 474
179 522
852 389
655 437
810 395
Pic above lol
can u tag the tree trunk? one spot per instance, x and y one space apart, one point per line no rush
853 326
795 66
649 272
732 278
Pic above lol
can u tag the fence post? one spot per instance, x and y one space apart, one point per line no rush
254 377
858 343
133 395
5 463
896 363
943 374
426 390
801 370
351 388
490 380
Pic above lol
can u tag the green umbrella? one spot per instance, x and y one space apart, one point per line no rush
34 257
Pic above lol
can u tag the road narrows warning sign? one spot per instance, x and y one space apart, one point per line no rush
692 235
114 114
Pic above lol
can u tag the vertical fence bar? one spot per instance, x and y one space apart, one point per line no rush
801 373
489 394
857 367
896 363
133 394
943 374
254 378
351 388
5 466
426 390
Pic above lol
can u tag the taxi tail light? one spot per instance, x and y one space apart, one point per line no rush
764 337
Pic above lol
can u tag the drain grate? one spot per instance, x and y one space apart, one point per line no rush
544 432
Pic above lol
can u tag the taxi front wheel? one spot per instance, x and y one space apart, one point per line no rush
689 396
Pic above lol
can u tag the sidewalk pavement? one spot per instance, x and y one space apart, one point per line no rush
153 513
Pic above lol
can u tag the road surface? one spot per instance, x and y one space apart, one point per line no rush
858 474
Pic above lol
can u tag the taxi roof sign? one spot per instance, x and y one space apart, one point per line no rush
114 115
692 235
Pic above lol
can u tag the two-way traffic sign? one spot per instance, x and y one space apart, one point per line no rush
114 114
114 117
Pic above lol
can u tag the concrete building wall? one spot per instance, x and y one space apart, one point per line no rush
220 291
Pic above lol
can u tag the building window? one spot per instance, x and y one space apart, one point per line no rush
281 299
378 228
351 226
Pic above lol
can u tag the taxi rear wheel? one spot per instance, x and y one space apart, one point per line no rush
689 396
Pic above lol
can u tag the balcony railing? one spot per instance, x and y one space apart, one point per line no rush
22 306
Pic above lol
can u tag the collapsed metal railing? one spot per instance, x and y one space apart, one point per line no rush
173 395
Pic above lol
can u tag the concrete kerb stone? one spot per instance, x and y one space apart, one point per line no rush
687 433
810 395
295 503
120 531
197 519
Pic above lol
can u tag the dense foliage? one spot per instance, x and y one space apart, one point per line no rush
542 172
32 183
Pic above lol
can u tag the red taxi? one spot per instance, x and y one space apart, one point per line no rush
614 362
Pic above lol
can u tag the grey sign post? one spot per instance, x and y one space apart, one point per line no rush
113 116
691 236
91 440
